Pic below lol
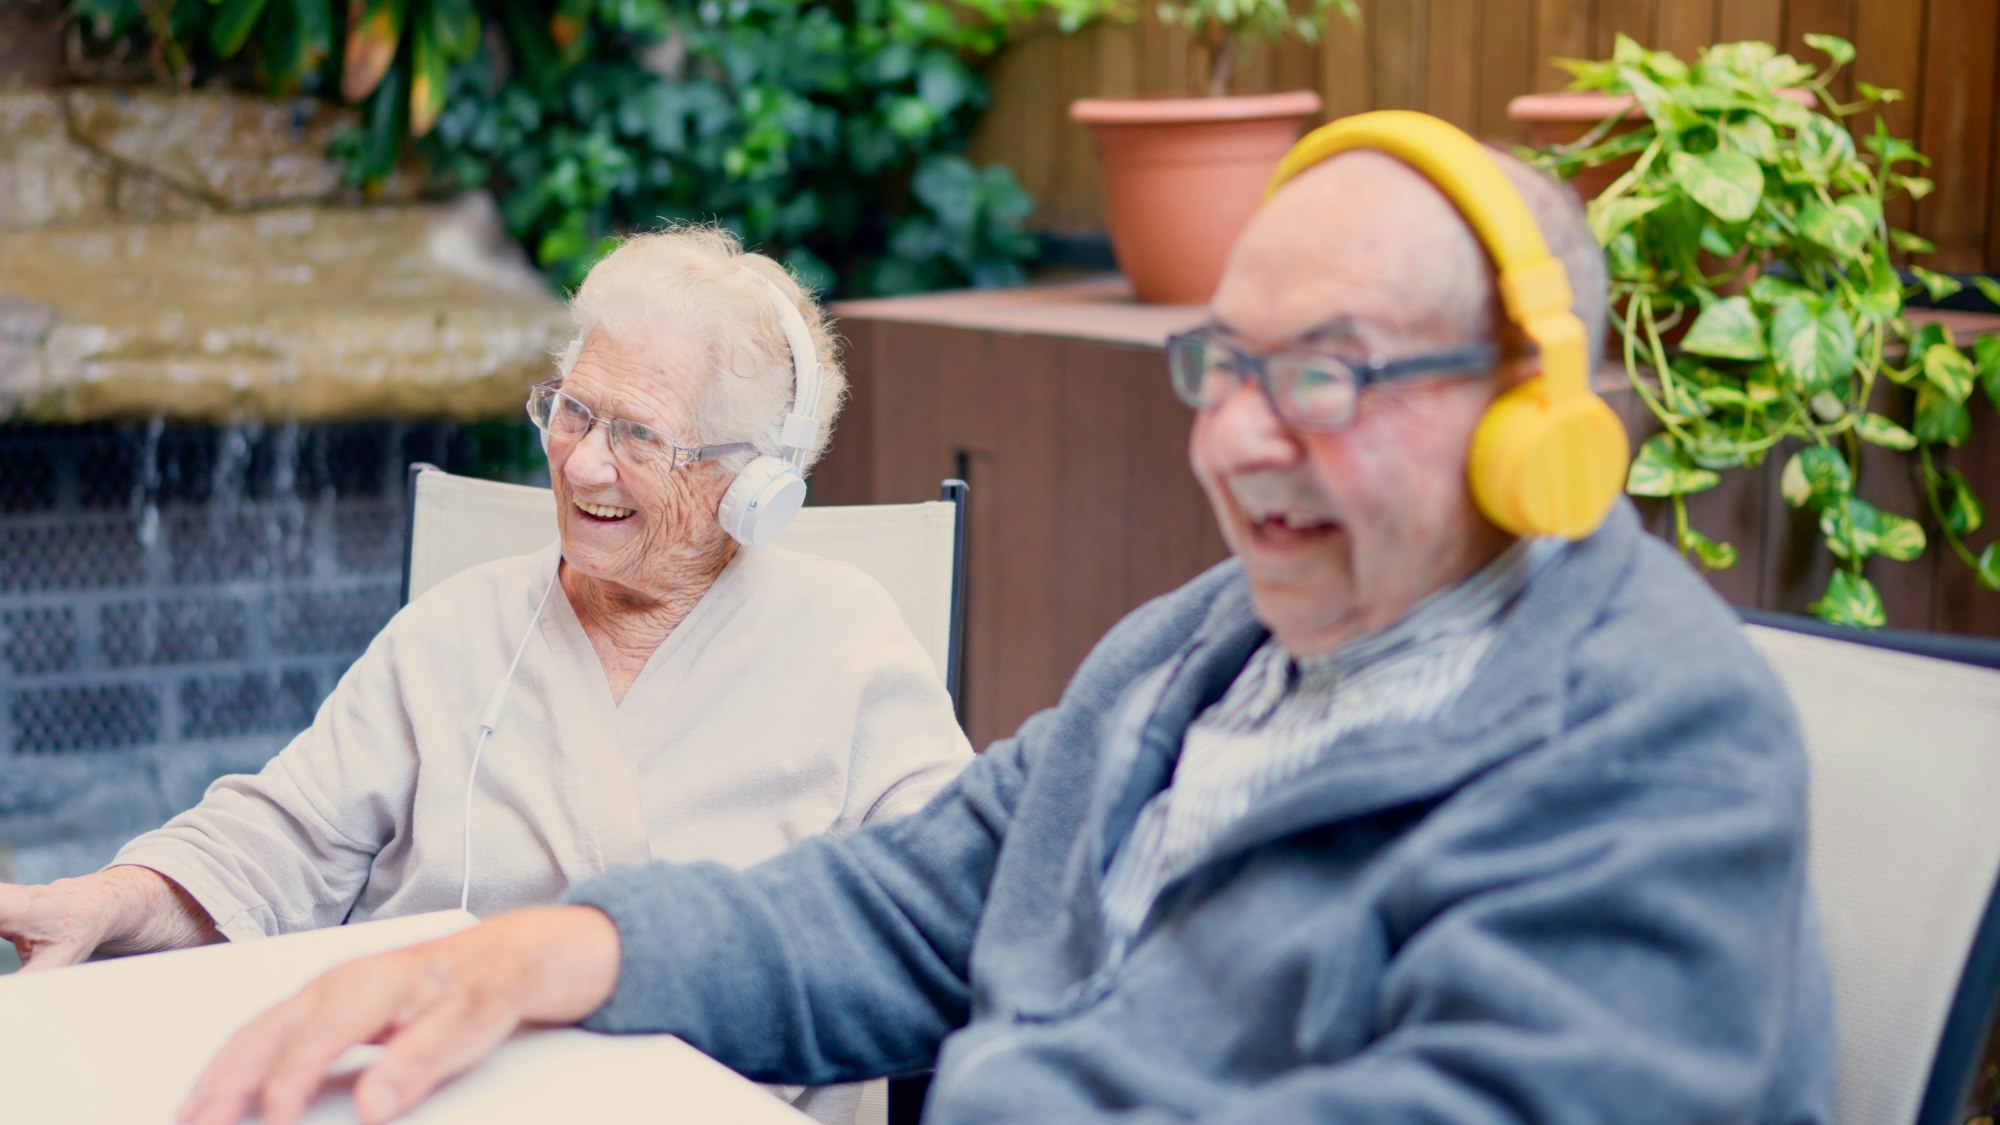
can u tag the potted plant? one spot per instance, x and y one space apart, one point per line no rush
1182 175
1759 310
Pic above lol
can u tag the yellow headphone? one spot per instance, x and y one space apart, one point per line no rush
1549 456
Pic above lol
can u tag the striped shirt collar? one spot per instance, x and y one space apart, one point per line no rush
1456 610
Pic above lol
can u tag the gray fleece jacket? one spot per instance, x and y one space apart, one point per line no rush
1576 895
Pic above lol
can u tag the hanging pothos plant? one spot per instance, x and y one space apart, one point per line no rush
1759 307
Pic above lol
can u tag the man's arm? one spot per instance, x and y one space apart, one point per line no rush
839 960
437 1008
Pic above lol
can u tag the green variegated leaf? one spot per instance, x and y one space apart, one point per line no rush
1898 537
1728 184
1727 329
1852 527
1710 554
1938 285
1844 227
1832 46
1988 569
1660 470
1850 600
1815 475
1949 371
1877 430
1986 351
1609 216
1963 513
1939 419
1816 351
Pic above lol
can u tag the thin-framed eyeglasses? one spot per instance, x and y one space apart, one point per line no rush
1309 390
567 419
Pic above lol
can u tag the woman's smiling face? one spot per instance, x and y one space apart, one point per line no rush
634 526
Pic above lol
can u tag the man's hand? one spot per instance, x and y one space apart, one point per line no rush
119 910
439 1008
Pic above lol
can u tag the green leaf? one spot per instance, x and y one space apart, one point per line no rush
1660 469
1911 243
1899 537
1815 475
1843 228
1939 419
1988 569
1850 600
1949 371
1938 285
1832 46
1986 350
1727 329
1963 513
1815 351
1988 288
1728 184
1877 430
1770 289
233 21
1609 216
1851 527
1710 554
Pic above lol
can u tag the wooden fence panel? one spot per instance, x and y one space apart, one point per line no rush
1463 59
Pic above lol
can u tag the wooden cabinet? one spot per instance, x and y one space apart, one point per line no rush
1053 404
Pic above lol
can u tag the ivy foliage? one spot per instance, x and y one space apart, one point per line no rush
1760 308
826 134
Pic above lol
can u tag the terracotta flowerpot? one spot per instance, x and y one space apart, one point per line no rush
1563 118
1182 176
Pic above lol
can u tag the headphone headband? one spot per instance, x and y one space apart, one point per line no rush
802 424
1533 287
1548 457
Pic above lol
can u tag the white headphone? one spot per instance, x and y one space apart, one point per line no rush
764 497
769 491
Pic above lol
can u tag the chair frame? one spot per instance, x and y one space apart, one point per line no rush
1974 1001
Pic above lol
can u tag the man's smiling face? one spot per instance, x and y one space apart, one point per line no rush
1341 533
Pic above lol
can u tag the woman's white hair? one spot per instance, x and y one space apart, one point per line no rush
694 286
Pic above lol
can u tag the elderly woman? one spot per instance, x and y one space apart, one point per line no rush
685 697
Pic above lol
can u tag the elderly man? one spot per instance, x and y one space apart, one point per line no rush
1397 816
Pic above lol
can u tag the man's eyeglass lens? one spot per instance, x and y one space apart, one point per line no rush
1317 392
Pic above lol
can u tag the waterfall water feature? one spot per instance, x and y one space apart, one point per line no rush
175 601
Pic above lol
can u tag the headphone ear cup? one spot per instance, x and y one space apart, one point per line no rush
761 501
1547 468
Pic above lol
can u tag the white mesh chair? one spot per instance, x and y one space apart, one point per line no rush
914 550
1903 734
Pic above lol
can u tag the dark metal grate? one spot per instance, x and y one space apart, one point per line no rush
68 719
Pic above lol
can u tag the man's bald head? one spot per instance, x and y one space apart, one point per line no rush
1363 234
1340 532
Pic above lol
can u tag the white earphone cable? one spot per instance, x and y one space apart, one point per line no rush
488 720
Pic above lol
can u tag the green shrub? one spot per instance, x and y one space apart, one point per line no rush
826 134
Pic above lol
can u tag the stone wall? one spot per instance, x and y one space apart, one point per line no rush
197 256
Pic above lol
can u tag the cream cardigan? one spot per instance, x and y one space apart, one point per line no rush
792 701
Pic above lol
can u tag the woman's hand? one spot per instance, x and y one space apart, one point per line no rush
119 910
439 1008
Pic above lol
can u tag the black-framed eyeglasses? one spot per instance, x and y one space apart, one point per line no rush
1310 390
566 419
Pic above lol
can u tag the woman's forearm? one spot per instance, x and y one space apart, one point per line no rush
150 912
